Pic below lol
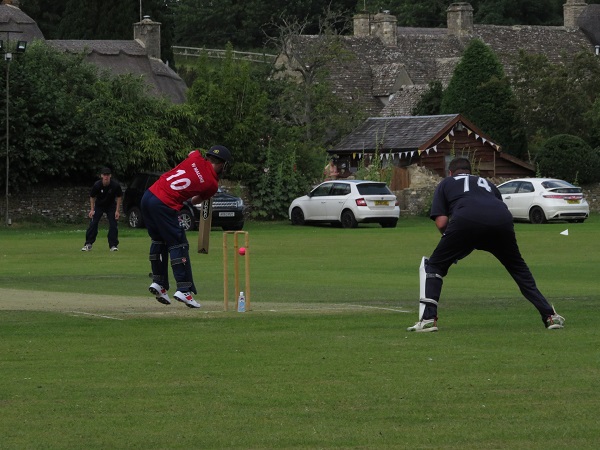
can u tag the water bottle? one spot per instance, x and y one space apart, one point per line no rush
241 303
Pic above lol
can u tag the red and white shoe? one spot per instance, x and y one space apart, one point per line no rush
186 297
160 293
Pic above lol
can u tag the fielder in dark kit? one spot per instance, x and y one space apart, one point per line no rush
470 214
105 198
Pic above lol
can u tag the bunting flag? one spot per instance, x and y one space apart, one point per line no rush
369 157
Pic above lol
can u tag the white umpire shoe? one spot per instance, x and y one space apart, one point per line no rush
87 248
160 293
424 326
186 297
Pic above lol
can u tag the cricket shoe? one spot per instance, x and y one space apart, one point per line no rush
555 321
186 297
87 248
424 326
160 293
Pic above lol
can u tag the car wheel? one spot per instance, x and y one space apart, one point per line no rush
135 218
186 220
348 219
388 223
536 215
297 216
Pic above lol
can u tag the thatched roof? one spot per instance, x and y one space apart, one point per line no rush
117 56
12 19
129 57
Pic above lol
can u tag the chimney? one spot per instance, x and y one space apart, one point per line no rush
147 33
385 27
572 10
361 24
460 19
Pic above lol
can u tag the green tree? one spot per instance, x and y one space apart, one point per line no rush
430 102
569 158
481 92
556 98
233 107
432 13
67 120
245 24
100 19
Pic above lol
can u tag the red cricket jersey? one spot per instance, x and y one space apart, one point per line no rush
194 176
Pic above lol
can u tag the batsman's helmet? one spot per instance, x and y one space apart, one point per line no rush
221 152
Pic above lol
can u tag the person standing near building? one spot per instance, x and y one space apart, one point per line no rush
196 178
105 198
469 212
330 172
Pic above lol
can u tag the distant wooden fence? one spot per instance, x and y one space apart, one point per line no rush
220 54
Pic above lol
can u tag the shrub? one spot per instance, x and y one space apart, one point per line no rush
569 158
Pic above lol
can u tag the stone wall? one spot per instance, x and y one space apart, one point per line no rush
71 204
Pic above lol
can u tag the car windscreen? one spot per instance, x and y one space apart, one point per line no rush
373 189
561 187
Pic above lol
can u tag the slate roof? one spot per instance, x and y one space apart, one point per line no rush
117 56
407 133
376 72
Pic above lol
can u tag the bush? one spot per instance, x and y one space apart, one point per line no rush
569 158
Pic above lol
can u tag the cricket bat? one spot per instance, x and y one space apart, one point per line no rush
204 226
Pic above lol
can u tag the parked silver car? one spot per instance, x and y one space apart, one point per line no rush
347 202
540 200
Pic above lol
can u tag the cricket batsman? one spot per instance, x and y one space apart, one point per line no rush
196 178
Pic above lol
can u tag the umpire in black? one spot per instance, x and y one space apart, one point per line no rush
469 212
105 198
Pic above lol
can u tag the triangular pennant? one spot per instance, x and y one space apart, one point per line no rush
435 148
484 140
469 132
452 132
476 136
447 138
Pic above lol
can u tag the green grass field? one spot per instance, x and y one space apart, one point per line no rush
90 360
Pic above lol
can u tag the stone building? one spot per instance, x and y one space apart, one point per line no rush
386 68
